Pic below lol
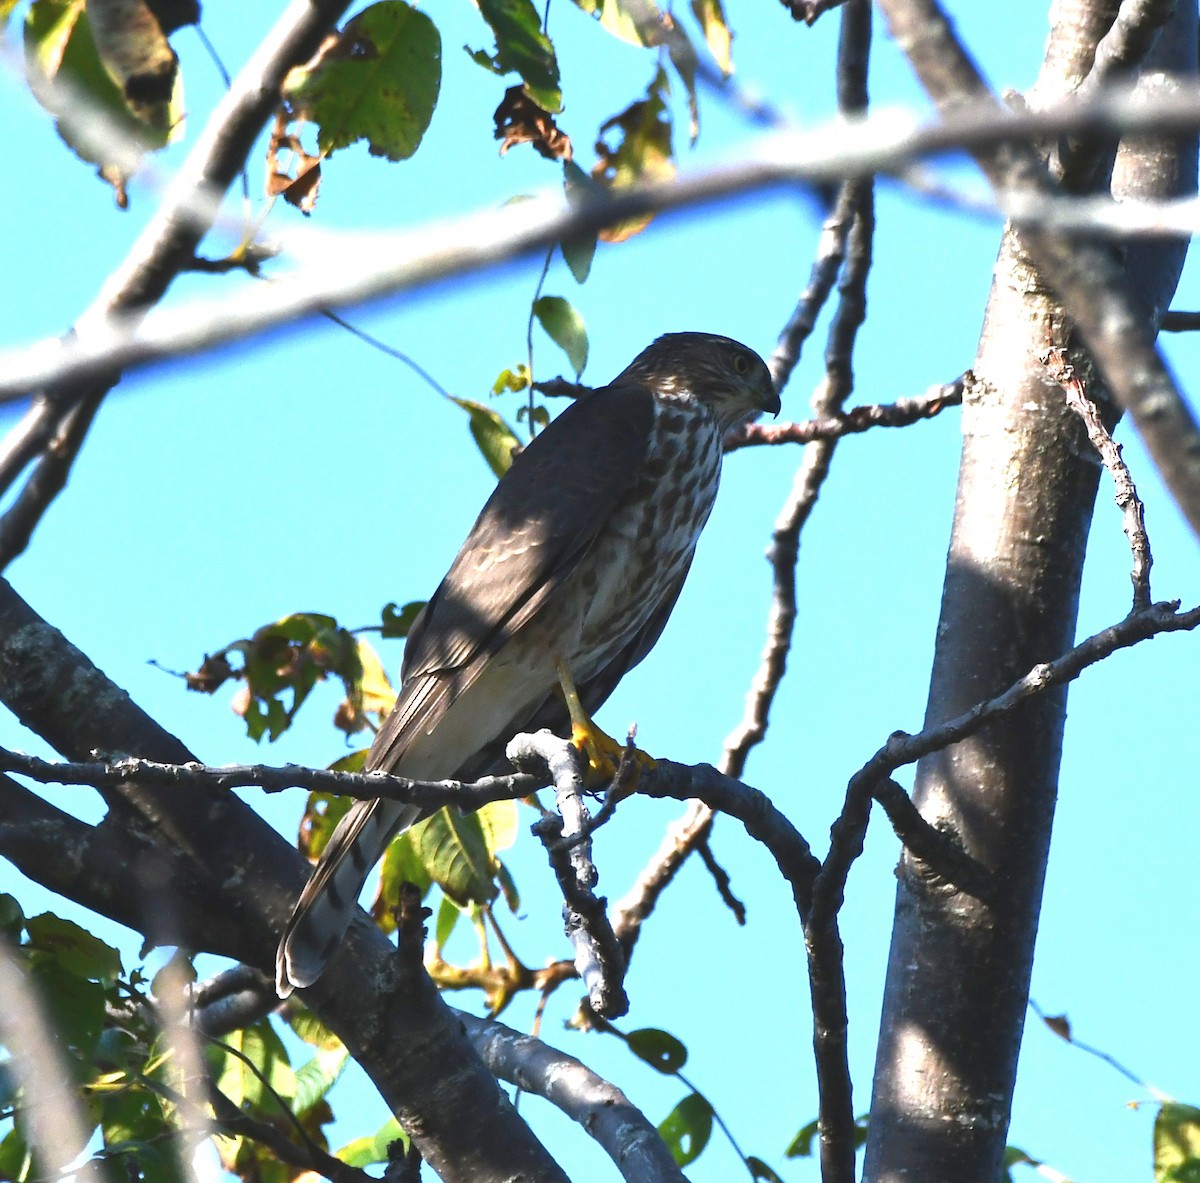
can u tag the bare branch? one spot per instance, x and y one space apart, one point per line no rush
1110 453
363 786
599 958
599 1107
902 413
903 748
1180 322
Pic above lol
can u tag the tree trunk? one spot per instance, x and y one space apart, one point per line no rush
959 968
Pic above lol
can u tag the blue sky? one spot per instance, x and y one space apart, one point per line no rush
308 472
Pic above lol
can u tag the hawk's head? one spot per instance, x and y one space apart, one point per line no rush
729 378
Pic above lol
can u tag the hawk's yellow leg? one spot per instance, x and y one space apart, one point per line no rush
603 752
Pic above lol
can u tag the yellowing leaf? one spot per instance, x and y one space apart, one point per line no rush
376 690
563 323
639 22
60 47
718 38
641 156
494 438
378 81
1177 1143
499 820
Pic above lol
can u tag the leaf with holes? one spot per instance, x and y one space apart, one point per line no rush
687 1128
379 82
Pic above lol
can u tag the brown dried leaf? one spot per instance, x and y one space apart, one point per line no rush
213 673
521 120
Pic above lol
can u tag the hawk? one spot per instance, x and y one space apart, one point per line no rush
564 583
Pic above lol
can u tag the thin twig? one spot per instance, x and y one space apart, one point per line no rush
362 786
903 748
1125 492
902 413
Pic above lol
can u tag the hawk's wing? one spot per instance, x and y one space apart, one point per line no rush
540 521
552 712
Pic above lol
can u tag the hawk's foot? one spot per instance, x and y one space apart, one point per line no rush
605 755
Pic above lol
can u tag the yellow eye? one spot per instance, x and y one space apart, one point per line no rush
741 363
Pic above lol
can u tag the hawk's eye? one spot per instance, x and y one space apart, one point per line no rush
741 363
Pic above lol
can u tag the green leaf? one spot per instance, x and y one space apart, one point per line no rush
660 1049
494 438
687 1128
379 82
363 1152
309 1028
801 1146
578 252
1177 1144
447 917
73 1006
760 1170
397 623
500 821
12 918
74 948
454 850
59 42
260 1076
565 326
641 155
317 1077
508 887
16 1159
523 47
402 863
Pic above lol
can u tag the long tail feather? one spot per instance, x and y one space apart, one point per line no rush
329 899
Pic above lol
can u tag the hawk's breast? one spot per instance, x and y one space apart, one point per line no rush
647 544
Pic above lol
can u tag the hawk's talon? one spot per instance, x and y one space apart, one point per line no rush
607 758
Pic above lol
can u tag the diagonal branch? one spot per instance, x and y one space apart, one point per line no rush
64 411
1084 274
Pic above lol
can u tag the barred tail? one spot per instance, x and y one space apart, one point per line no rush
325 907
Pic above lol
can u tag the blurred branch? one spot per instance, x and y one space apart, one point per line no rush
53 1117
68 429
808 10
66 405
353 267
1180 322
1086 277
597 1106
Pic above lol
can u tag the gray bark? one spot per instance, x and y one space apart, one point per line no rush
959 969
